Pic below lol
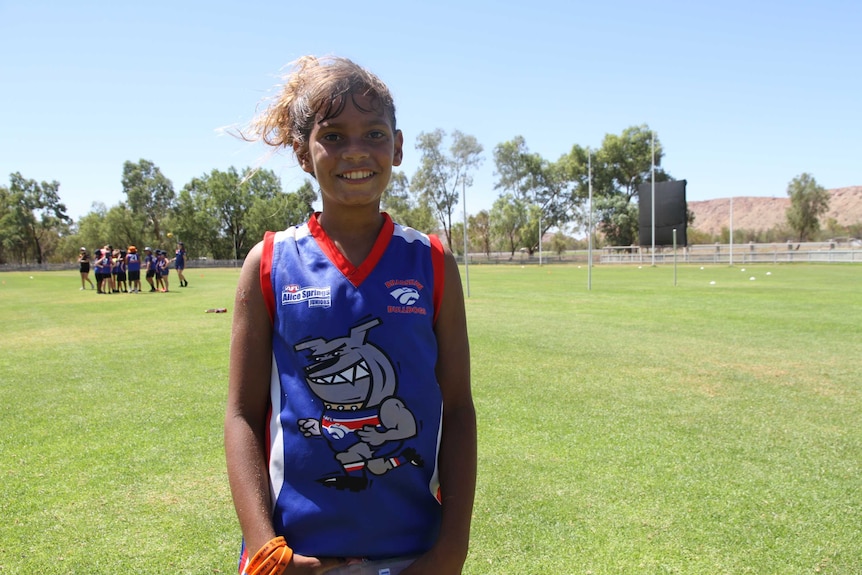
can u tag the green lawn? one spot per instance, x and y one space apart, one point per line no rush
638 427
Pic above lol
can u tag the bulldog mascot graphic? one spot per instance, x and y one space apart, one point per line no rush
365 423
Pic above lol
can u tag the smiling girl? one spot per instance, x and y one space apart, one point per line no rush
350 431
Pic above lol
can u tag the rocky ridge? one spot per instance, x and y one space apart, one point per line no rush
764 213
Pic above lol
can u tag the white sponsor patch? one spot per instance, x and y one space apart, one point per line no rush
314 296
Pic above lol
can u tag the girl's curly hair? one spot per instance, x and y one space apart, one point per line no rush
315 89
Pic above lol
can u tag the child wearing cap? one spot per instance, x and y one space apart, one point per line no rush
133 269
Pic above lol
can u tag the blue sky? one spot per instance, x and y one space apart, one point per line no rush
743 96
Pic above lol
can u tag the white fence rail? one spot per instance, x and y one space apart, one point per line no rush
811 252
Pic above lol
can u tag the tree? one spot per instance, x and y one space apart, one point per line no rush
197 222
122 227
92 230
396 197
574 168
511 165
224 213
398 203
10 231
255 186
559 243
537 183
280 211
512 161
508 220
34 219
617 219
217 212
555 204
621 164
808 201
440 177
479 228
148 193
458 238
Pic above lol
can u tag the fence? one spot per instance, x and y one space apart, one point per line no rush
751 253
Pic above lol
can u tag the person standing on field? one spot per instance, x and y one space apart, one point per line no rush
133 267
119 272
150 266
104 281
162 270
84 268
180 263
107 269
350 430
97 269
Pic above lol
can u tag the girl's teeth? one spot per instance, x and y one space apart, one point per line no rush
357 175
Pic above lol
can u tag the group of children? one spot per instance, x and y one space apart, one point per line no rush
119 271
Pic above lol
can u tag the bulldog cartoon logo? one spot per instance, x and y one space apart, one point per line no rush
365 423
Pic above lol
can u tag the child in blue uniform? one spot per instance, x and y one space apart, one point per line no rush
150 267
162 270
133 265
180 263
119 272
350 430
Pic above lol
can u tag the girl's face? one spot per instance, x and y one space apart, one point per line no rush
352 154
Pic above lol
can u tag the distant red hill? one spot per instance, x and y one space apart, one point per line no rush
762 213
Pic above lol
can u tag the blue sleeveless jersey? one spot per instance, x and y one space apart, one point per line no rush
356 409
134 263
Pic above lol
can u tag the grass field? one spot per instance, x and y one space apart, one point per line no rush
638 427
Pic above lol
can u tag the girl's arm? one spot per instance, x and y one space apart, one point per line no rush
246 421
247 404
458 442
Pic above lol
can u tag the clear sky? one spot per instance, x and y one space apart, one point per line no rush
743 95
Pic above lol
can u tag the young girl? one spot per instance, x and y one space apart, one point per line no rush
162 270
150 266
104 281
350 431
179 261
133 265
119 272
84 268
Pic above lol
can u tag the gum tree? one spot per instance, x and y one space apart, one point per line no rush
34 220
808 201
441 176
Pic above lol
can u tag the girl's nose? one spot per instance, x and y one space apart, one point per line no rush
355 150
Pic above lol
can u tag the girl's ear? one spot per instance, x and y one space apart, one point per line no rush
398 156
304 158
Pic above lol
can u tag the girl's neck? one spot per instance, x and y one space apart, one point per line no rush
353 233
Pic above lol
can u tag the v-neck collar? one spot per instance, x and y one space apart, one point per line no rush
354 274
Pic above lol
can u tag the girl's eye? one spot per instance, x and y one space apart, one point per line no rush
376 135
331 137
